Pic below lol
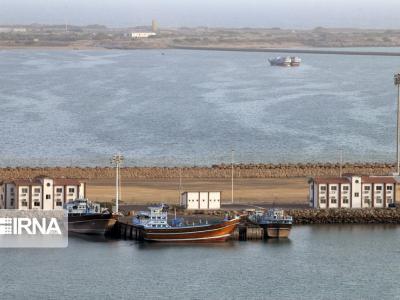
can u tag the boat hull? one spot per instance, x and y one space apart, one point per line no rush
276 230
94 224
205 233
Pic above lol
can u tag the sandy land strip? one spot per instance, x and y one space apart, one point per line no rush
282 191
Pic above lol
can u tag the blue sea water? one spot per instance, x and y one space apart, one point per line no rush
60 107
317 262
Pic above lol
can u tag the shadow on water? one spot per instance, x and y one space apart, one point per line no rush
91 238
157 246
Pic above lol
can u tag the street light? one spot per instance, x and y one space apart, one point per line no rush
397 83
117 161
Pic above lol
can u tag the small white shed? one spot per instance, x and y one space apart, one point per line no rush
201 200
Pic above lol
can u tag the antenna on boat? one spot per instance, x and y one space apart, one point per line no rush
233 156
180 186
117 160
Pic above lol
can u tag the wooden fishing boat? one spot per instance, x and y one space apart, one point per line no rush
156 228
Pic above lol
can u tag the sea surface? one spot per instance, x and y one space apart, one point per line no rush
317 262
182 107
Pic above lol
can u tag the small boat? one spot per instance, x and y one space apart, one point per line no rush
156 228
275 222
295 61
283 61
86 217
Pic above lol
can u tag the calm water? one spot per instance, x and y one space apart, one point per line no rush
192 107
318 262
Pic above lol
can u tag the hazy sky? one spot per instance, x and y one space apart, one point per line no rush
228 13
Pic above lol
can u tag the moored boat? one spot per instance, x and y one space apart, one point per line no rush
85 217
275 222
156 228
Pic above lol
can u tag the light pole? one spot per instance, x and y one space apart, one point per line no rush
397 83
233 156
117 160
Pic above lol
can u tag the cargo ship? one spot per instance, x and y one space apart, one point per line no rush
285 61
86 217
275 222
156 228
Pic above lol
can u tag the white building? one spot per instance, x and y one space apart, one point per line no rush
40 193
351 191
140 35
201 200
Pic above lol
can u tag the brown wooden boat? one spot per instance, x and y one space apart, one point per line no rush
157 229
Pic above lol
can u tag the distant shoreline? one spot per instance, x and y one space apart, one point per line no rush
288 50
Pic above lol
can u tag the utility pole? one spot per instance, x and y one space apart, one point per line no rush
117 161
180 186
341 163
397 83
233 156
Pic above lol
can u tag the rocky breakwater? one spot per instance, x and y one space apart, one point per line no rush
261 170
346 216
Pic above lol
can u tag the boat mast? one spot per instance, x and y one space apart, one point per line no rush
117 161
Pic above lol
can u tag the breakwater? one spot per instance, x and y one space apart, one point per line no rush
346 216
215 171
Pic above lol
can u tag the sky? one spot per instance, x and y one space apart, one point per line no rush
211 13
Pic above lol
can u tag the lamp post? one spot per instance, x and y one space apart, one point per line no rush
117 161
233 158
397 83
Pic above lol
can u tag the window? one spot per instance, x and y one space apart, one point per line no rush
48 196
378 200
356 194
48 184
389 187
379 188
367 188
333 200
36 203
12 190
345 188
357 181
58 203
24 203
59 190
333 188
323 200
37 190
345 200
71 190
322 188
24 190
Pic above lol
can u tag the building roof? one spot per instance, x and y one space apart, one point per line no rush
67 181
364 179
37 181
331 180
378 179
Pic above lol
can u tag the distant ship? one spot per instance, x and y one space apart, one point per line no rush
275 222
285 61
85 217
156 228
